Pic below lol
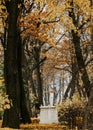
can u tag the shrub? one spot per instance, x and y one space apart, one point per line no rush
70 109
35 120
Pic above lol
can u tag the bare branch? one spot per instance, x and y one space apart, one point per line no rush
63 68
88 62
84 24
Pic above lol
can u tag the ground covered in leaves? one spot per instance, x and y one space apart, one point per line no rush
44 127
36 126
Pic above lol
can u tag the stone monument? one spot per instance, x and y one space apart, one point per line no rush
48 115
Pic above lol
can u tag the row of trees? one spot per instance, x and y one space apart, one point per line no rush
40 39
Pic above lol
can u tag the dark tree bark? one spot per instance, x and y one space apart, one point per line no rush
11 116
38 73
81 65
78 52
72 83
90 100
24 114
32 84
13 73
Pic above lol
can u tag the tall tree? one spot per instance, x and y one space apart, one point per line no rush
80 61
12 84
13 78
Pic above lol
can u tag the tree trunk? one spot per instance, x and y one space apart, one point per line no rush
13 72
39 81
11 116
25 117
81 64
72 83
38 73
32 84
78 52
90 100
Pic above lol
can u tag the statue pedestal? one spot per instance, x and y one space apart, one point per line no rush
48 115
